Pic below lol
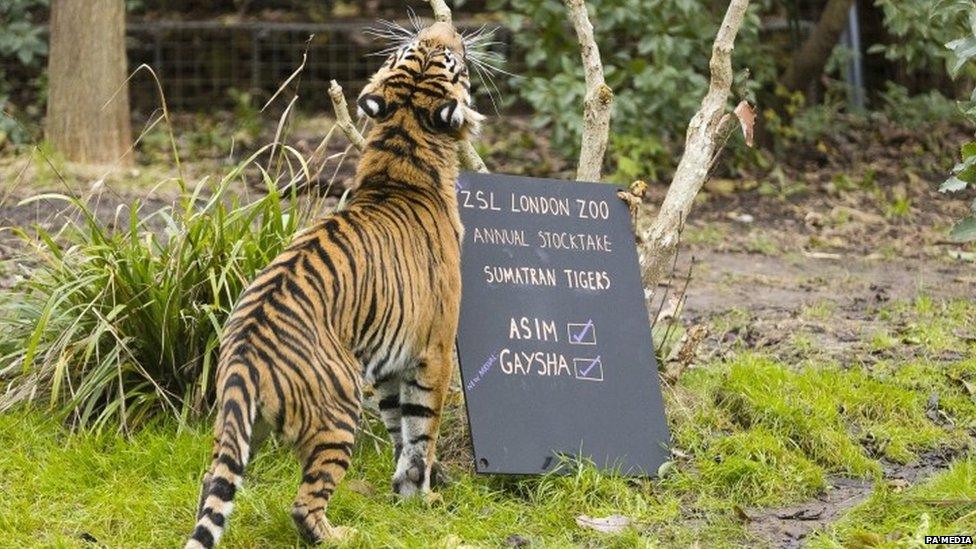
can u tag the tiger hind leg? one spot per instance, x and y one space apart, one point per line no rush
325 457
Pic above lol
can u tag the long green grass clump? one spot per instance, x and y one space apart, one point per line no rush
120 318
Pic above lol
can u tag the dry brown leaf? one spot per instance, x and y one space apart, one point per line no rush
898 484
613 524
970 388
638 188
747 119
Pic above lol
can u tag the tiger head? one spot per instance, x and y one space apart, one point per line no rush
425 77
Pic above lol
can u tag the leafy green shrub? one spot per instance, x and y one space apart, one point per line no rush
655 55
121 320
919 30
917 111
963 51
22 45
20 36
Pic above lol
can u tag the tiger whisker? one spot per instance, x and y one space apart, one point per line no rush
391 31
414 19
488 83
491 68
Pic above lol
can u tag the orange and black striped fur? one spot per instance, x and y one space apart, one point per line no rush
368 295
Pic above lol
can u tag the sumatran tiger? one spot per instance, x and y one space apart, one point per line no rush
367 295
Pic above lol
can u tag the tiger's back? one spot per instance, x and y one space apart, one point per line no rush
367 295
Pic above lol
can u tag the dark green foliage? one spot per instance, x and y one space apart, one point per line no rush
23 45
655 55
963 51
920 29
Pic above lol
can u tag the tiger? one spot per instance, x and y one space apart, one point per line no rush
367 296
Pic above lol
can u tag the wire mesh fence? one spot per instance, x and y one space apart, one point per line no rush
201 62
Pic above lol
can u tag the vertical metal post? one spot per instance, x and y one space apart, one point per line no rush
855 68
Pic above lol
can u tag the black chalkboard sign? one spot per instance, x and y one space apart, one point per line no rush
554 342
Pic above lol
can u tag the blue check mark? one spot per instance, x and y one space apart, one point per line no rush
586 328
590 367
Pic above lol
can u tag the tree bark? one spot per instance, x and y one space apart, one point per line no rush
809 61
598 100
88 119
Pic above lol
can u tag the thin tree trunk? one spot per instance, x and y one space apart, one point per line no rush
809 61
598 100
703 141
88 100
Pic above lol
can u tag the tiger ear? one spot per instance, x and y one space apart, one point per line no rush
448 116
371 105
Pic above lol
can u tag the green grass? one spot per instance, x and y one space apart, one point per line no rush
763 432
756 433
56 486
749 432
712 235
819 310
935 326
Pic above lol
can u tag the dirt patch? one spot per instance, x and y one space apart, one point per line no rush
755 282
788 527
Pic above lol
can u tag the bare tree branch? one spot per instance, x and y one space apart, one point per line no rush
599 97
342 116
702 142
470 158
442 13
